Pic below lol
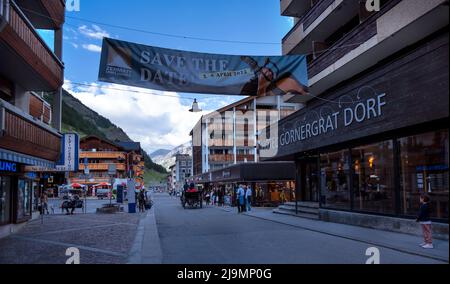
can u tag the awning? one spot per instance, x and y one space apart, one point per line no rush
25 159
252 172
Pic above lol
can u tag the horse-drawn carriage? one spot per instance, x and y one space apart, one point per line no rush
192 198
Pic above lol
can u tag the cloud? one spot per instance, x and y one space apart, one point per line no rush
94 32
157 122
92 47
290 21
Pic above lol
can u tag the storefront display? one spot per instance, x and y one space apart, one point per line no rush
335 179
5 200
373 178
424 162
24 193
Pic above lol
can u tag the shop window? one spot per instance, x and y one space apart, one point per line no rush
5 200
335 180
24 200
373 178
424 163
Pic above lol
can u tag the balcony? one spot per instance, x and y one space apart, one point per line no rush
294 8
398 25
102 155
102 167
26 59
221 158
220 143
245 158
320 22
21 133
44 14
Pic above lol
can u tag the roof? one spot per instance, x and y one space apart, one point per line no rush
130 146
103 140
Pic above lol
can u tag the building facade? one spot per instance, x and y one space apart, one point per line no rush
376 138
230 136
183 166
98 155
29 126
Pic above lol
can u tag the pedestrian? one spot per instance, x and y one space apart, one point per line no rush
141 200
212 197
44 203
240 194
425 221
248 198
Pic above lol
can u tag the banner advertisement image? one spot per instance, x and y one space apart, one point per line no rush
190 72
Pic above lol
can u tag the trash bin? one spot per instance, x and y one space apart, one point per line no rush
132 208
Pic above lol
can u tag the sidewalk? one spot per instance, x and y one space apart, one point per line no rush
395 241
146 247
100 238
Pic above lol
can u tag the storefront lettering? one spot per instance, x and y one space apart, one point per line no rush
359 113
8 167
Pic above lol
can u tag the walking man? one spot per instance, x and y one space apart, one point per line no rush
240 194
248 198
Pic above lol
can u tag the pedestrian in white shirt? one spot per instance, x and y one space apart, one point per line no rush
248 198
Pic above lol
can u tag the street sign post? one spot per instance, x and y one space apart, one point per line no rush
112 169
86 175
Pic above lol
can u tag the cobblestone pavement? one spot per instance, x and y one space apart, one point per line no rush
101 239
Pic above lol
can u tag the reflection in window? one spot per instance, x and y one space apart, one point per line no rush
374 178
335 180
5 197
24 199
424 170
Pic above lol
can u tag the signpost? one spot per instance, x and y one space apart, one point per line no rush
112 169
86 176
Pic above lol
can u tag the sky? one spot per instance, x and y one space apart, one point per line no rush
162 122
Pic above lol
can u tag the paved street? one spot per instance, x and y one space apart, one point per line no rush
218 236
171 235
101 239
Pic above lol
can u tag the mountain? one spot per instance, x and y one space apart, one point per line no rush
160 152
76 117
168 159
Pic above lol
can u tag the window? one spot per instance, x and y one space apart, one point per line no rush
373 178
335 175
24 200
424 164
5 197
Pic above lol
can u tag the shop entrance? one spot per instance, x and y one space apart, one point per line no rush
308 179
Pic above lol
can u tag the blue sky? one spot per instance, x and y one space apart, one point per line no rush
236 20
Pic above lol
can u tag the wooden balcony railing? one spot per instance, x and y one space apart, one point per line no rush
103 167
20 132
242 158
221 158
102 155
22 37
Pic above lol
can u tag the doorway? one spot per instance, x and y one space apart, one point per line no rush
308 179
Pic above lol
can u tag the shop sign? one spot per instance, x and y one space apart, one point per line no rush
69 161
325 124
8 167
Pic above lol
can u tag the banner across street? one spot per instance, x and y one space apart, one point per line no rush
191 72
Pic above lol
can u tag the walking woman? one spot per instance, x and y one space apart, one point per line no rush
141 199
